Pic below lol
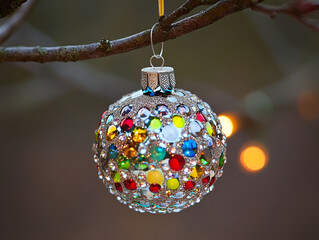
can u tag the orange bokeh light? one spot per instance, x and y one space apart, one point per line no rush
253 157
229 124
308 105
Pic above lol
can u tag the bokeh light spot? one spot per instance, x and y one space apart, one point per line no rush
308 105
253 157
227 124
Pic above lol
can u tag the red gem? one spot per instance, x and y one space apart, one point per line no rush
189 185
103 115
200 117
118 187
130 184
212 181
176 162
127 124
155 188
205 180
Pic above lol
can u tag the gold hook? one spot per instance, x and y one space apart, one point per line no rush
161 8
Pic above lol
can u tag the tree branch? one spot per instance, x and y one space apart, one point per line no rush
166 30
8 28
139 40
296 10
187 7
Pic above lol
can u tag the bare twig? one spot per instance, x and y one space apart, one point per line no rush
8 28
296 10
139 40
167 29
187 7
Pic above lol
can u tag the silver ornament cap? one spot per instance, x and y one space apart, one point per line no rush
157 80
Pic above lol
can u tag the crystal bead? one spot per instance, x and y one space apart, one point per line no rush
221 160
205 157
123 162
189 148
179 121
144 113
118 187
155 188
155 176
139 134
195 128
116 177
127 124
176 162
155 124
200 117
205 180
197 172
162 110
189 185
170 133
111 133
130 184
183 109
172 183
126 109
157 153
129 150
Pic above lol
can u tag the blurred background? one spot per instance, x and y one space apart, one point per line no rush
261 74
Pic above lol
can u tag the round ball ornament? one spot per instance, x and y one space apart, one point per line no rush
159 149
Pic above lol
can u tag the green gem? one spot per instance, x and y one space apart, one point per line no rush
123 162
205 157
116 177
155 123
203 160
221 160
140 163
157 153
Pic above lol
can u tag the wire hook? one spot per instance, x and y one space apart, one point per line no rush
157 56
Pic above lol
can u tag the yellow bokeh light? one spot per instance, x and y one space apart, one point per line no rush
253 157
227 124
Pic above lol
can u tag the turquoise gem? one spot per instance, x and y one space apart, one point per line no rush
189 148
157 153
112 152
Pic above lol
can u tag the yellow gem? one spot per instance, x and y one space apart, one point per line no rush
179 121
97 132
129 150
155 123
197 172
139 134
111 132
116 177
168 194
210 129
172 184
155 176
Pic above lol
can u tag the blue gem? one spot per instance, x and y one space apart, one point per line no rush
189 148
148 91
112 151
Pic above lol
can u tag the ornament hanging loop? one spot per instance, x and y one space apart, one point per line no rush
157 56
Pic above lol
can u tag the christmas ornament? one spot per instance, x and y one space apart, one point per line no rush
159 149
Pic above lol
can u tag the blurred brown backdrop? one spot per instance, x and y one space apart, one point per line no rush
48 113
